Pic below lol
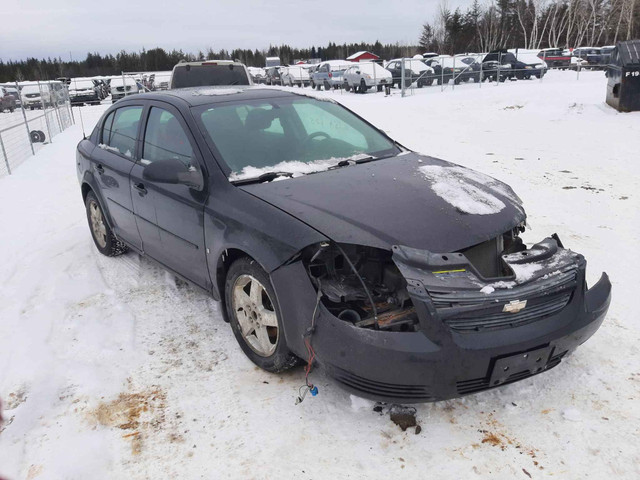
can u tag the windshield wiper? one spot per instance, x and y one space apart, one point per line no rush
348 161
265 177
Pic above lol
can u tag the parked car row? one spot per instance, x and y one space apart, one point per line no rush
421 70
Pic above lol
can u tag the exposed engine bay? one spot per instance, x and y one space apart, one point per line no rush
365 286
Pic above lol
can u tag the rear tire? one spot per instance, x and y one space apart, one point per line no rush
254 315
106 242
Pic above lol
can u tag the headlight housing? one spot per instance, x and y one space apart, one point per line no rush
361 285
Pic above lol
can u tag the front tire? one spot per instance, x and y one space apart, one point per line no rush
106 242
254 314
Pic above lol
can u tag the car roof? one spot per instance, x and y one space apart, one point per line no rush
208 62
196 96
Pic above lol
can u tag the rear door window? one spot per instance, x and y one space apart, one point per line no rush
121 129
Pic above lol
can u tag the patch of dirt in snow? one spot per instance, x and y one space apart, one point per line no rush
140 414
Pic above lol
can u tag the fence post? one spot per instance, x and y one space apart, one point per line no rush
402 77
124 85
4 154
26 124
454 73
441 75
481 72
44 110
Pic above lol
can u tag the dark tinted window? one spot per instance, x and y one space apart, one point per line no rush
165 139
208 75
120 130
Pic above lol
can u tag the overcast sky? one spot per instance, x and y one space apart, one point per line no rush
39 28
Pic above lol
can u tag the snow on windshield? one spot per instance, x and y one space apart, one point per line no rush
456 186
295 167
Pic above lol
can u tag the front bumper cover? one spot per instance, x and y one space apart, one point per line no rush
436 362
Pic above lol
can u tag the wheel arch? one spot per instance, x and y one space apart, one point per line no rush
225 260
87 187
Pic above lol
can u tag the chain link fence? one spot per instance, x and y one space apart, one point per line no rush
31 115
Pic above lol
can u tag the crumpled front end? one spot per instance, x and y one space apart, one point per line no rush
415 326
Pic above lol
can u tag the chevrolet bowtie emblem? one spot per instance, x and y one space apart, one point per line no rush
514 306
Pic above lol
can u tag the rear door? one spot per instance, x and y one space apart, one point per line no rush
111 163
170 218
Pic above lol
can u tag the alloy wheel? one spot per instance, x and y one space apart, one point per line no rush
256 315
98 227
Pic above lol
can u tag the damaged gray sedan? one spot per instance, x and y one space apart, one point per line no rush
329 244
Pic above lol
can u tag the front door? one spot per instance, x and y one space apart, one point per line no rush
170 217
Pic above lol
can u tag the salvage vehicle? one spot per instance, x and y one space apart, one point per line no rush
122 87
415 70
84 90
209 73
404 276
295 75
555 58
329 74
365 75
34 95
7 100
273 76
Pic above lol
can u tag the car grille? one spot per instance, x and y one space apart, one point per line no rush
466 387
32 95
472 312
419 393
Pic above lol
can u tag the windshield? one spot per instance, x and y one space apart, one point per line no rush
31 89
293 134
208 76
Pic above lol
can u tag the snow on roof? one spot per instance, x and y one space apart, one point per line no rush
358 54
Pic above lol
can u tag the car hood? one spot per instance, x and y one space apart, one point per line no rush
411 200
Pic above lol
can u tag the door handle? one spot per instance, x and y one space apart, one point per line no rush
140 188
100 169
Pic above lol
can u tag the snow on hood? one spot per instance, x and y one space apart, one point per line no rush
295 167
461 188
389 202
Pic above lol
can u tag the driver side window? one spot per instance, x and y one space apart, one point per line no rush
165 139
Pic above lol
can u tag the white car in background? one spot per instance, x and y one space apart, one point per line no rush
35 96
123 86
295 75
365 75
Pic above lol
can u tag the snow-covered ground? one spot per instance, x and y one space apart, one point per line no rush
110 368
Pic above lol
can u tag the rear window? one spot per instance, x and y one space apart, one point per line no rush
208 75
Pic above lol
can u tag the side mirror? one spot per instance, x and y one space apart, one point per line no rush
357 72
173 171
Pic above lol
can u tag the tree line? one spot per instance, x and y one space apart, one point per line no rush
531 24
479 28
158 59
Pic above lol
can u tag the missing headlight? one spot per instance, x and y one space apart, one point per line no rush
376 287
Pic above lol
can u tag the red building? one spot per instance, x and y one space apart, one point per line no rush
360 56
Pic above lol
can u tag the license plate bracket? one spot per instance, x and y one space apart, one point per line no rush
533 361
